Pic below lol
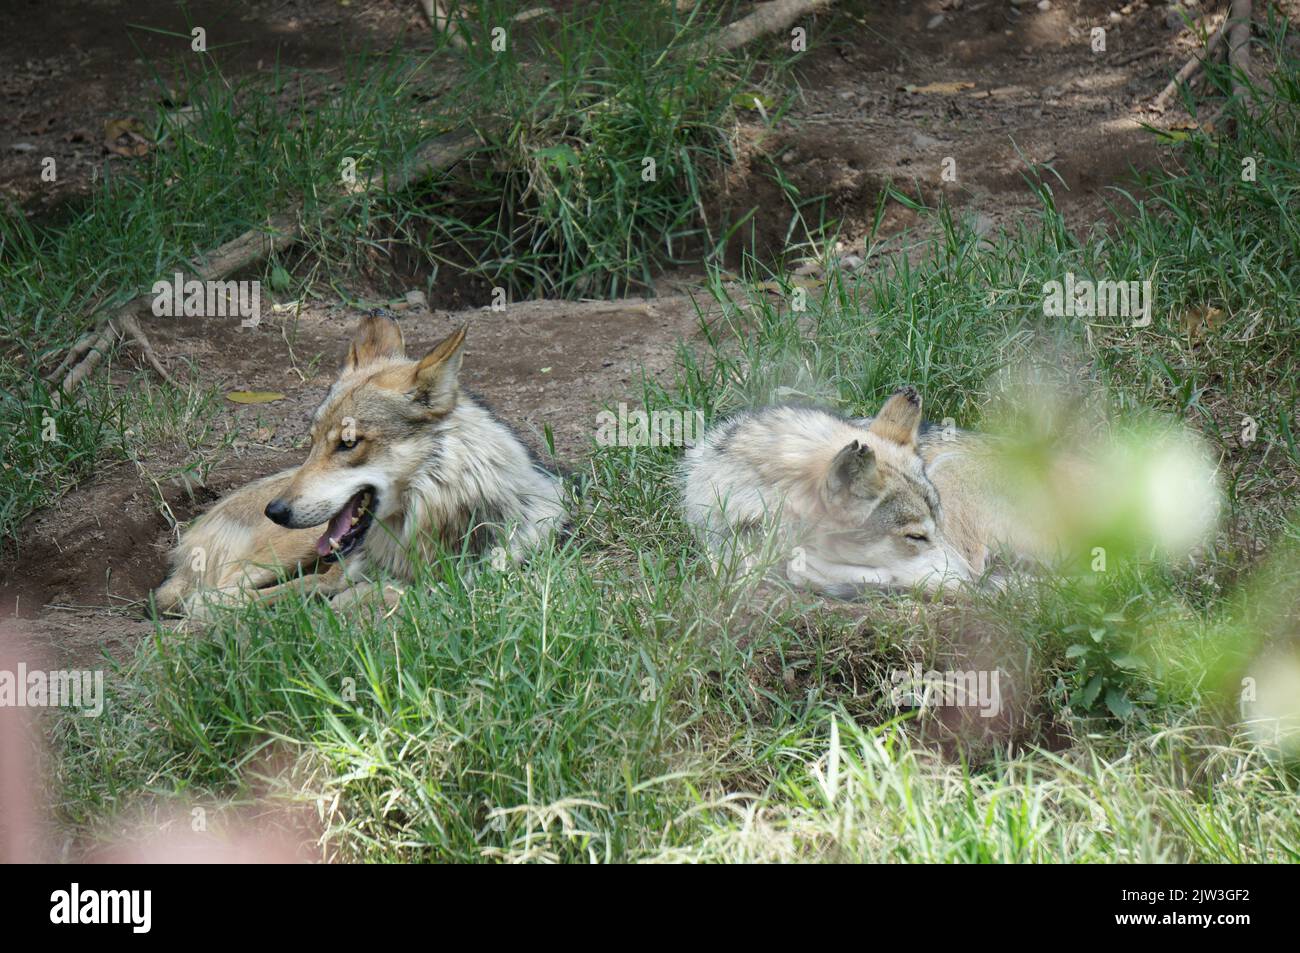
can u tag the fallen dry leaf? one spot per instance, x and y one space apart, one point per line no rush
1200 321
939 89
254 396
125 137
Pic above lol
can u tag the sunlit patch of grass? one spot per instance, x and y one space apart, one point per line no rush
853 794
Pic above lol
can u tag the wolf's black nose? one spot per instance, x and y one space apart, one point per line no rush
277 511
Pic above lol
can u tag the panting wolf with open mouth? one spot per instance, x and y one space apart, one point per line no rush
402 462
855 503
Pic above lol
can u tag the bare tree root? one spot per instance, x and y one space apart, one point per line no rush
1236 31
443 22
126 320
1239 48
100 343
771 17
247 249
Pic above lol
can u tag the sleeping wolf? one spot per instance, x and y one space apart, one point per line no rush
870 502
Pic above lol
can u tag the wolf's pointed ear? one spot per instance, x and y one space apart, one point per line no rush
435 378
853 473
899 419
377 338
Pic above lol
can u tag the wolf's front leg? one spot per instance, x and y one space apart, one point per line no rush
838 580
327 584
368 593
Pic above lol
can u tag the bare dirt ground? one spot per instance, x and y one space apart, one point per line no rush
1003 90
1023 85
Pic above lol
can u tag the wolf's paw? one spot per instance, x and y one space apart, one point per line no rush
368 595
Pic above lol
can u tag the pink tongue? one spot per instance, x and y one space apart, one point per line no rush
340 524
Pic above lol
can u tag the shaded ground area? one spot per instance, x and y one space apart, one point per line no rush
965 101
72 66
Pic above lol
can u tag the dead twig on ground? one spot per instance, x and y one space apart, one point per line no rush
1192 66
1140 54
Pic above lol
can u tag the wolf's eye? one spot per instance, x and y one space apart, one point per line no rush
918 537
345 445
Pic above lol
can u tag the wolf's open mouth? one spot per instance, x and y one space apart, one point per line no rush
348 526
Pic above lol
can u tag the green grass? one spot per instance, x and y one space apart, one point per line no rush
619 700
608 129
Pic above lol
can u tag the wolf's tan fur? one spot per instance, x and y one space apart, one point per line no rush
860 503
444 470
